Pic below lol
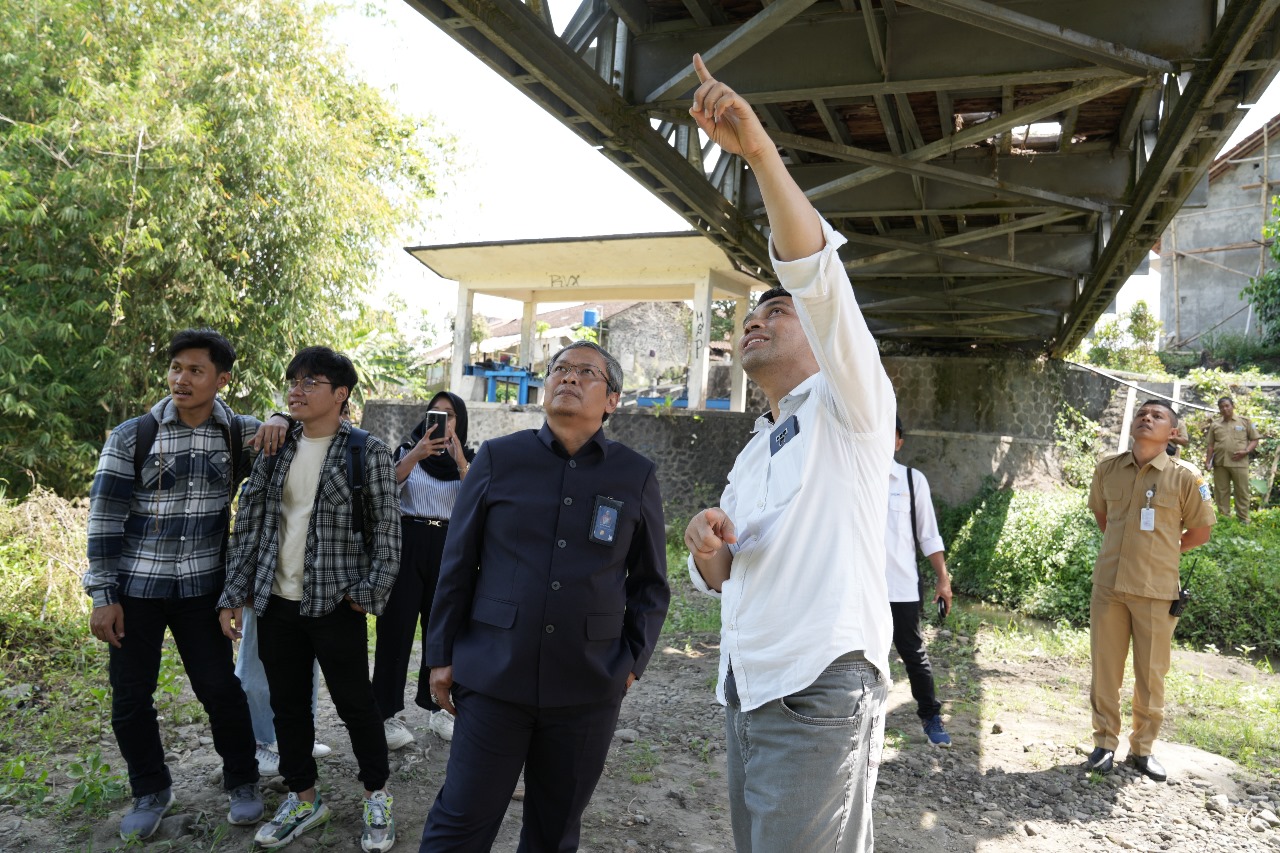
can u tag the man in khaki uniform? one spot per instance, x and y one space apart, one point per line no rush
1151 508
1231 439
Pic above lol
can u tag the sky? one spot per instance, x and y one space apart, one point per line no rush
524 175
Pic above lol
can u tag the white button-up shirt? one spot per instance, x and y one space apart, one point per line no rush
901 568
807 582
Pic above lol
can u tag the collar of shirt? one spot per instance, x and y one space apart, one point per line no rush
787 405
169 413
548 438
1160 461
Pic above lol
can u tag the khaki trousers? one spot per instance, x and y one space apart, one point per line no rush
1224 479
1114 618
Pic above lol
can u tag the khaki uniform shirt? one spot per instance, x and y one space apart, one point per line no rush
1145 562
1230 437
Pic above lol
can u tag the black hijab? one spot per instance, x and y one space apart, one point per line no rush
441 466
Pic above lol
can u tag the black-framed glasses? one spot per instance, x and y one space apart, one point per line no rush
306 383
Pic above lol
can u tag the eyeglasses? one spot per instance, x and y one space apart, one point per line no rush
306 383
585 372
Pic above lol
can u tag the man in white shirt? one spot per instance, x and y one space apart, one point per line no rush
796 548
911 525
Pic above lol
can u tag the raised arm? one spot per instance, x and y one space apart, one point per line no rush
729 122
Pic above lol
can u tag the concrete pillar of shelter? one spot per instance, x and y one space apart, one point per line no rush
526 335
700 353
461 336
737 377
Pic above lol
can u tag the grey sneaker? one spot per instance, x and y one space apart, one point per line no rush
144 818
268 760
398 734
246 804
293 818
379 827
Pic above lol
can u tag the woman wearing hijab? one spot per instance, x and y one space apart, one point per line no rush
429 468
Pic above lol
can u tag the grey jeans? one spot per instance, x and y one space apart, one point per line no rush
802 769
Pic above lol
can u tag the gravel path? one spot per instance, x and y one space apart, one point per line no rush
1012 781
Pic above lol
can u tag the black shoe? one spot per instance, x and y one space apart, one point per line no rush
1148 766
1102 760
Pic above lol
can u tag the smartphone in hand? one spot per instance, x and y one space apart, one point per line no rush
942 609
437 423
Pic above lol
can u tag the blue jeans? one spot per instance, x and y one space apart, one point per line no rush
802 769
253 678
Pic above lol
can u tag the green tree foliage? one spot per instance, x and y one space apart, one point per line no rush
1263 292
169 163
1128 342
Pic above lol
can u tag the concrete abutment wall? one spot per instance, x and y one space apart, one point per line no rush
967 419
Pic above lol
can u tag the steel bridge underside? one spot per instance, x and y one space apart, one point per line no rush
999 168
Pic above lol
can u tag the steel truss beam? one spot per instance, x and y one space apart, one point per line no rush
968 237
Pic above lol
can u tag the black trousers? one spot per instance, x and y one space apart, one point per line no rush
909 641
422 545
289 644
562 751
206 657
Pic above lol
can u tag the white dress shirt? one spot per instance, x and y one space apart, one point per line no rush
807 581
901 566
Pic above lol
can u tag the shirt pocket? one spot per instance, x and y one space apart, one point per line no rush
159 472
786 472
1114 497
1168 511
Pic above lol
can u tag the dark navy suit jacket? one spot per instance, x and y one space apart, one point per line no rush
529 609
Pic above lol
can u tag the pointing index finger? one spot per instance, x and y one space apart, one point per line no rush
701 67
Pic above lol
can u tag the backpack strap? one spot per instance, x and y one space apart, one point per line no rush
235 443
915 533
148 428
355 477
915 530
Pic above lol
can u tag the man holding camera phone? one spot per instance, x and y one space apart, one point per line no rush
1151 508
912 525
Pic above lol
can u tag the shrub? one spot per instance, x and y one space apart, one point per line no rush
1034 552
1030 551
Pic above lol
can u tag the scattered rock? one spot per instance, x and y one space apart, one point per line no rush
627 735
17 693
176 826
1218 803
996 729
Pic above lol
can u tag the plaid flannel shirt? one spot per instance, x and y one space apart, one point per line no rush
337 562
163 536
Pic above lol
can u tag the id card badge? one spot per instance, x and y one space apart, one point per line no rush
783 433
604 520
1148 519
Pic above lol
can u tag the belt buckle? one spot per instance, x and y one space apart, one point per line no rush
435 522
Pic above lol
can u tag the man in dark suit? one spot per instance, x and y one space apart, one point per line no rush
552 593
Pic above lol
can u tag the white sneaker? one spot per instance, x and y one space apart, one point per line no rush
442 724
268 760
398 734
320 750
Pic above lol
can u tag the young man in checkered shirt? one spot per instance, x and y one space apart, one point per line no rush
157 533
312 566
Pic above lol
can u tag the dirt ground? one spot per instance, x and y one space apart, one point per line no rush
1012 781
